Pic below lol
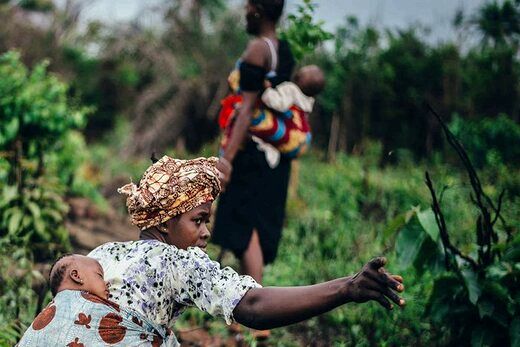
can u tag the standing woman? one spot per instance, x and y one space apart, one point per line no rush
251 211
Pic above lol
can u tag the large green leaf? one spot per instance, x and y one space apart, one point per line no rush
429 224
430 258
35 210
9 193
512 252
409 242
472 284
39 227
14 221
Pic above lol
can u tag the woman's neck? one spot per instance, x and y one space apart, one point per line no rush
268 29
152 234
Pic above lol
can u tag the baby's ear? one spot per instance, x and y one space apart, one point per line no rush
74 276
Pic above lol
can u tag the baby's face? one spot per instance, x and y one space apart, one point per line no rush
92 275
310 80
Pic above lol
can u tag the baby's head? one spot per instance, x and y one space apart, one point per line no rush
310 79
78 272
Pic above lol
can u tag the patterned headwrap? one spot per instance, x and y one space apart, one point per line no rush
171 187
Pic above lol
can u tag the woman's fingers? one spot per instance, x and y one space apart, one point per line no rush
397 278
374 286
384 278
380 298
393 281
393 296
380 285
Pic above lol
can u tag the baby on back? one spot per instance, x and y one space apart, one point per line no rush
279 122
78 272
81 315
308 82
283 122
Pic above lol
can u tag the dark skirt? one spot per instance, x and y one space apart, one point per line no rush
254 199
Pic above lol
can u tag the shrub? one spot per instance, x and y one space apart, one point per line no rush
36 120
475 296
489 141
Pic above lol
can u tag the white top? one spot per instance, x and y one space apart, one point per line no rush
159 280
285 95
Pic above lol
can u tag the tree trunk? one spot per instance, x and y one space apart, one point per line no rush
333 139
346 122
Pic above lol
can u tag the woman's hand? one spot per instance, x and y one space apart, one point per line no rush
225 168
373 282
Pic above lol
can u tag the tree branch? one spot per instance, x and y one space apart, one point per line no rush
443 230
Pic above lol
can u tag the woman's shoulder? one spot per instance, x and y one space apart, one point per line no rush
256 53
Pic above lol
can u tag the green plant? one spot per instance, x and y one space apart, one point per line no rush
303 34
475 295
35 216
489 141
36 119
18 301
35 116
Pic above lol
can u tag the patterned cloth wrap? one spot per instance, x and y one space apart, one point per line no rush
171 187
289 132
80 319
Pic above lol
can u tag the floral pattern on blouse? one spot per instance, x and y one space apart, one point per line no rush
159 280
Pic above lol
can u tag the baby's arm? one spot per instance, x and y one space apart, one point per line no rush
280 98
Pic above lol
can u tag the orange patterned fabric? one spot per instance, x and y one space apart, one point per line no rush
80 319
171 187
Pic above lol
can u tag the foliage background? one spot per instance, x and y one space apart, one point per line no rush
118 93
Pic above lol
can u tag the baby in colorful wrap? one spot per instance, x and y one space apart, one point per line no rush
81 314
307 83
281 119
287 128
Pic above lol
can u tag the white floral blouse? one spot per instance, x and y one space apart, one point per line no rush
159 280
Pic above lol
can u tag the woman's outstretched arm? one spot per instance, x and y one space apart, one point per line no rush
271 307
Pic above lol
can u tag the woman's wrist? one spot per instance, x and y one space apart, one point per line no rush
226 162
345 290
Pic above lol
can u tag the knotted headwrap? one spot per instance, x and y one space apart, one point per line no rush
171 187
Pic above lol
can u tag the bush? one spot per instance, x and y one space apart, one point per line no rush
476 286
41 154
489 141
18 301
36 217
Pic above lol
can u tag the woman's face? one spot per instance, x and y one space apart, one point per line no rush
253 19
190 229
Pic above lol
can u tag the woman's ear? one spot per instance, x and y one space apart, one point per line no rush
163 228
75 277
260 11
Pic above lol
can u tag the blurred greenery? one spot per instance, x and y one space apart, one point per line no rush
40 155
84 104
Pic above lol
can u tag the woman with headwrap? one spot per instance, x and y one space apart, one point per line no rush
167 270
